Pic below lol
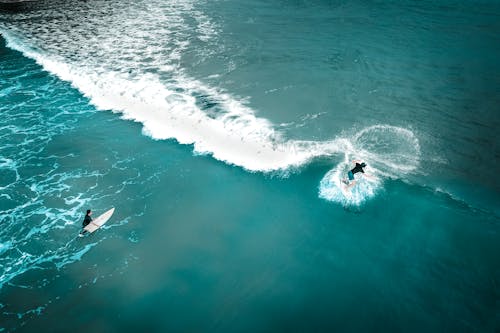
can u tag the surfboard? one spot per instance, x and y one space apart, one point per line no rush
99 221
344 189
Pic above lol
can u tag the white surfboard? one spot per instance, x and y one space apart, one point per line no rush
344 188
346 191
99 221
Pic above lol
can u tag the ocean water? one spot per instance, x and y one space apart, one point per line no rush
220 130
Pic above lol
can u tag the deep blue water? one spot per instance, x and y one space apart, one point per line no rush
219 131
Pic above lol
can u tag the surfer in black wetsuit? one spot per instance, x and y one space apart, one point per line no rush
350 175
86 221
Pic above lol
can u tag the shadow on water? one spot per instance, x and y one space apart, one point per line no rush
19 6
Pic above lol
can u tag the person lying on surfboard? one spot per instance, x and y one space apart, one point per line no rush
358 167
86 221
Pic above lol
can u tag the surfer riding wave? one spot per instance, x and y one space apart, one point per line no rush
358 168
386 152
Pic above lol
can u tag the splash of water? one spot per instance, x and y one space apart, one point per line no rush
388 151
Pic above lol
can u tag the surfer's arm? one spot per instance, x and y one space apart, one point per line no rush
368 175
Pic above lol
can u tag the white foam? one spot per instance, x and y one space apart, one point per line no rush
5 246
131 65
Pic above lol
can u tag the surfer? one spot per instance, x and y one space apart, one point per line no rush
86 221
358 167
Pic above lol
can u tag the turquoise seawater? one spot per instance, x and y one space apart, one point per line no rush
219 131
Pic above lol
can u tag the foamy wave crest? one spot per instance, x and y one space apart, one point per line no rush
188 111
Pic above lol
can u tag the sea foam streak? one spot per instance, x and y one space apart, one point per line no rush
235 136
